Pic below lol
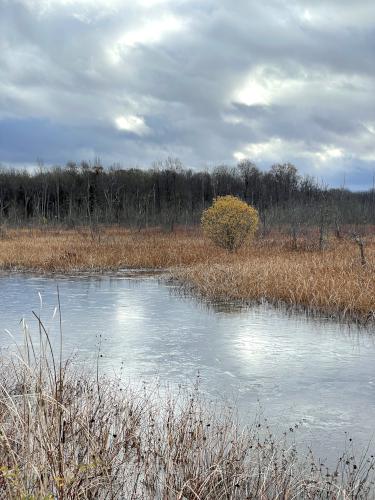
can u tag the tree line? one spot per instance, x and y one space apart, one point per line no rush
168 194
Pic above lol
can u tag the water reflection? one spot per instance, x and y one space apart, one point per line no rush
312 372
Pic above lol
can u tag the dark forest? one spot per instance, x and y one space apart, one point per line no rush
168 194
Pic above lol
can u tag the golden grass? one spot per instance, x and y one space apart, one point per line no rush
101 250
332 281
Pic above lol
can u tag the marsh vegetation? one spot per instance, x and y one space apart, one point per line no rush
68 434
277 267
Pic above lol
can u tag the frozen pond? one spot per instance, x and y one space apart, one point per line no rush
313 373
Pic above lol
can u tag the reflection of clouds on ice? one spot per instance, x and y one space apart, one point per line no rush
315 373
129 312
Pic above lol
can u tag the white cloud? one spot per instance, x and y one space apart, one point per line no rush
329 153
370 127
152 3
267 84
259 150
150 32
282 150
327 13
131 123
252 93
239 156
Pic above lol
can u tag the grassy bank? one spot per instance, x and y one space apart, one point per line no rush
101 249
295 273
332 282
66 435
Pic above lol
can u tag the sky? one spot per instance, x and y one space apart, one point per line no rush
207 81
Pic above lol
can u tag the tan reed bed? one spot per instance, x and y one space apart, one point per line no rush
100 249
65 435
332 281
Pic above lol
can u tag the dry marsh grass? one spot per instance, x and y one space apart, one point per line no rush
274 268
102 249
332 282
65 435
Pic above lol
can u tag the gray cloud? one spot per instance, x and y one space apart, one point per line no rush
207 81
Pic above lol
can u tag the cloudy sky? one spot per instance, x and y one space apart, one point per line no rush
207 81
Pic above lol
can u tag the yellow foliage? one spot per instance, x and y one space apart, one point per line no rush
229 222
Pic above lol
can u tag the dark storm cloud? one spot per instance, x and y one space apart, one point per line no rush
207 81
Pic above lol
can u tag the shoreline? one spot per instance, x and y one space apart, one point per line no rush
187 290
331 283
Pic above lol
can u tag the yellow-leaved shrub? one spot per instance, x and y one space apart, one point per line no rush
229 222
